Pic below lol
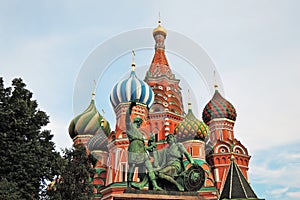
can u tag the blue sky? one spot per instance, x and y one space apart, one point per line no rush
254 45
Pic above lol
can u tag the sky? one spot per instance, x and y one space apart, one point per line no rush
253 44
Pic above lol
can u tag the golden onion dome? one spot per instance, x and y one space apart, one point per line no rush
159 30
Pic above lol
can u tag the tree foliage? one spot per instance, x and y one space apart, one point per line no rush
9 190
28 156
75 180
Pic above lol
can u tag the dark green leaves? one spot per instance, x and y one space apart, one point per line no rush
28 157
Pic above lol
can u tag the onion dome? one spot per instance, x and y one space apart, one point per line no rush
159 30
190 128
218 107
90 122
98 142
131 89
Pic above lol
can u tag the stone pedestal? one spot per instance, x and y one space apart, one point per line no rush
150 194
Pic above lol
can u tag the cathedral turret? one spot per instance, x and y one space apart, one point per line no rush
218 107
167 109
87 124
127 90
220 115
192 132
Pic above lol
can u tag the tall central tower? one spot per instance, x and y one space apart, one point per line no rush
167 109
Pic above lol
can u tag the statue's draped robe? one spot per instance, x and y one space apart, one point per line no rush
169 160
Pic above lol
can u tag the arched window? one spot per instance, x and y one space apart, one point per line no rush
223 160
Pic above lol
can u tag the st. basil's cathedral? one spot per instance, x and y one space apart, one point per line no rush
211 141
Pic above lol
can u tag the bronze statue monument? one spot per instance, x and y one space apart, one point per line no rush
137 153
168 162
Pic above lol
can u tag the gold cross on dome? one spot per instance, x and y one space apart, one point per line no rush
215 80
94 90
133 63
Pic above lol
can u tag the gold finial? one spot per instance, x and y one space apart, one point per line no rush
102 120
94 90
159 28
215 81
133 63
232 158
189 100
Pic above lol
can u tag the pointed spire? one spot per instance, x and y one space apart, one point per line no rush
159 35
236 185
133 63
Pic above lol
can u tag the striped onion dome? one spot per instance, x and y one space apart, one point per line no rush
218 107
190 128
98 142
90 122
131 89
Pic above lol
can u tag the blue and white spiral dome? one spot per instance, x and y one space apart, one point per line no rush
131 89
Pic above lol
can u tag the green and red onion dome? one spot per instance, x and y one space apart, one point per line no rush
89 123
218 107
190 128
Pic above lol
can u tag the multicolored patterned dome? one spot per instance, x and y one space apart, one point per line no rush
131 89
98 142
190 128
218 107
89 122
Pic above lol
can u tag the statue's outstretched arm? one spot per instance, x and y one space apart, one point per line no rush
187 155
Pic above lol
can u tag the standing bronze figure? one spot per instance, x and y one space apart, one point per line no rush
137 153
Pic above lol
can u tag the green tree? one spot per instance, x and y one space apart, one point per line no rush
28 157
9 190
75 181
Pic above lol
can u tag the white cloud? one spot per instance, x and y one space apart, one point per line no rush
270 170
278 192
274 171
291 156
295 195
